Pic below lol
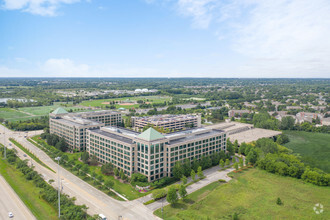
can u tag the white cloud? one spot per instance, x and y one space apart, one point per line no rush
65 68
39 7
201 11
275 37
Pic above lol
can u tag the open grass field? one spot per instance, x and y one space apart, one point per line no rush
26 113
12 114
43 110
103 102
314 148
252 194
28 192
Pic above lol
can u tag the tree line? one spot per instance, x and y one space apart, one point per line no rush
69 210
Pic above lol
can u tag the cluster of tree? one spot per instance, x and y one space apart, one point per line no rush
264 120
289 165
184 168
29 125
56 141
68 209
274 158
171 193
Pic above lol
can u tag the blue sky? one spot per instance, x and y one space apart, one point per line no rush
165 38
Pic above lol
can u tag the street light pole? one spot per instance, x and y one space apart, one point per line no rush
4 141
59 192
162 208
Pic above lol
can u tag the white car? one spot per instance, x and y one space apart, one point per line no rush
10 215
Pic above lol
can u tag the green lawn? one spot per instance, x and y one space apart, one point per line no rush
152 99
28 192
252 195
314 148
43 110
26 113
12 114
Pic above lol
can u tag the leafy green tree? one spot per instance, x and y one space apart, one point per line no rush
233 160
182 191
227 162
236 146
85 157
252 157
121 174
200 172
241 162
94 161
109 183
85 169
172 196
138 177
236 166
78 167
116 171
279 201
193 175
107 169
186 167
230 148
177 171
61 145
184 180
221 163
158 193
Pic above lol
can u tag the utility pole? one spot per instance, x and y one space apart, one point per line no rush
59 186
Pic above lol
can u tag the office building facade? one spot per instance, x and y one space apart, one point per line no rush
167 122
151 153
72 126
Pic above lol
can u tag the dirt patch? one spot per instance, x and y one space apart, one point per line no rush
126 104
105 103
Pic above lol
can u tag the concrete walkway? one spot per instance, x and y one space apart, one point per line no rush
211 175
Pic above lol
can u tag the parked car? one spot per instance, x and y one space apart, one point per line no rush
10 215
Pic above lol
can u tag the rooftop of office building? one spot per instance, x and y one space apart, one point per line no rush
151 134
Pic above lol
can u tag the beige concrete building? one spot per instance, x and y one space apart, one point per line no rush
151 153
170 122
72 126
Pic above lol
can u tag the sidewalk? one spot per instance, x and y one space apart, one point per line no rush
211 175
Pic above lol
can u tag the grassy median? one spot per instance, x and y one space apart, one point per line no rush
27 192
35 158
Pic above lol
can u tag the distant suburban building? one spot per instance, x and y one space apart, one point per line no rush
234 113
325 121
151 153
293 107
170 122
72 126
307 116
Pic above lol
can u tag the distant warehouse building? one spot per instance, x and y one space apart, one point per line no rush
72 126
170 122
151 153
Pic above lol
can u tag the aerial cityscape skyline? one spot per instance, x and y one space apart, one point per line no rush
150 38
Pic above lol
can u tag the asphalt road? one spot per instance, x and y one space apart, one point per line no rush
10 202
97 201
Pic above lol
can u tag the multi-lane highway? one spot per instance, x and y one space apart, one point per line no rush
97 201
10 202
